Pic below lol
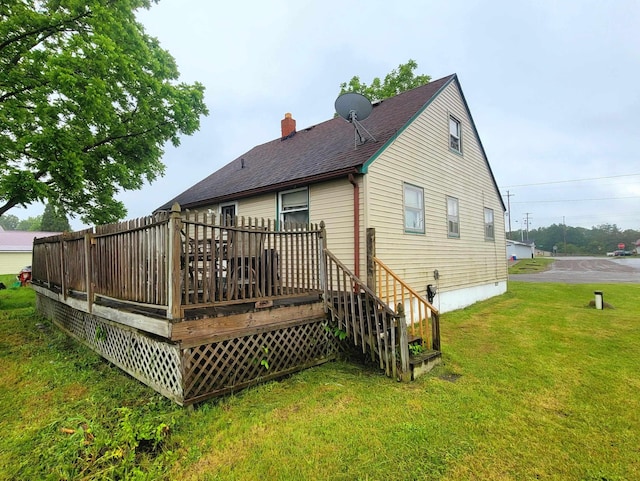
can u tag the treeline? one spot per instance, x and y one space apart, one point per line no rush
578 240
51 220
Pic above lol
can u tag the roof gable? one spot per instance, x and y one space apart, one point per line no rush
484 154
316 153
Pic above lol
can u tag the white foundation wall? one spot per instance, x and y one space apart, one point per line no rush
459 298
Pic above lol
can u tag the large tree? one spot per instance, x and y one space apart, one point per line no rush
398 80
87 102
54 220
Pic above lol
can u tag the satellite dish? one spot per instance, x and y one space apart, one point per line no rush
354 107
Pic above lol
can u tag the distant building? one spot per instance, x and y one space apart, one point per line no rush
16 248
520 250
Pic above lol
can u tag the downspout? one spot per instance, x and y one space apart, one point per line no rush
356 225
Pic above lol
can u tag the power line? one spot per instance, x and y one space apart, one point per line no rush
575 200
606 218
569 181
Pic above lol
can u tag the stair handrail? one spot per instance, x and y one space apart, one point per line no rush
380 336
416 320
359 282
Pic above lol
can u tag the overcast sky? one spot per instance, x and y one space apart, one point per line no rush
553 87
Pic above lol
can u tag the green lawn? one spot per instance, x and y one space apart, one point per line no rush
531 266
535 385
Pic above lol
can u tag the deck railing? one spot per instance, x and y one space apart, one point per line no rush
227 261
124 261
423 318
178 261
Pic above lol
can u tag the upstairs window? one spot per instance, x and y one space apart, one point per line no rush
294 206
413 209
453 218
489 229
455 143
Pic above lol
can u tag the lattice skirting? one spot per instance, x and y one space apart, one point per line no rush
154 362
188 375
225 366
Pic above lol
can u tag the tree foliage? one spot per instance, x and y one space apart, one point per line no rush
398 80
87 102
30 223
577 240
9 222
54 220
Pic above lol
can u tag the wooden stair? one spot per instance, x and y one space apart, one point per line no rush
369 323
424 362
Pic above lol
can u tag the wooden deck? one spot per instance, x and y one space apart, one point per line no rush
197 307
195 359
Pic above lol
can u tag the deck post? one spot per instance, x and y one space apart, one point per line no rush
435 331
371 253
88 268
173 268
322 257
47 262
63 271
405 372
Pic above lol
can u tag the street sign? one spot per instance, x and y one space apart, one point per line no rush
621 246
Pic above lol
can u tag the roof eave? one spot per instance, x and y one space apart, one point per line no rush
291 184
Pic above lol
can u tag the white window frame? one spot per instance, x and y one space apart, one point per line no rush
489 225
455 137
223 206
410 210
283 212
453 218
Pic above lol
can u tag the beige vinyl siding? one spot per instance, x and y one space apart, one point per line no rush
260 206
332 202
12 262
421 156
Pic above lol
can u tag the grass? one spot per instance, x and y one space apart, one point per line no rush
535 385
531 266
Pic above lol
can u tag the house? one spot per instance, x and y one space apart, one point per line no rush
15 249
214 295
415 192
520 250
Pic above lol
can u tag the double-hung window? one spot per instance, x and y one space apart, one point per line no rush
455 140
453 217
489 228
413 209
294 206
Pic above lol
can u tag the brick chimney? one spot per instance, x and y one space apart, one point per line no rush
288 126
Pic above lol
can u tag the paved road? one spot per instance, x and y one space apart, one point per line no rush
587 270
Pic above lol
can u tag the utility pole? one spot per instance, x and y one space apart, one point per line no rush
509 195
565 235
527 221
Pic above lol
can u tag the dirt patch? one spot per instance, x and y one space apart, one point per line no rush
450 377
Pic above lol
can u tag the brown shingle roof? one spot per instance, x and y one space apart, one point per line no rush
319 152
